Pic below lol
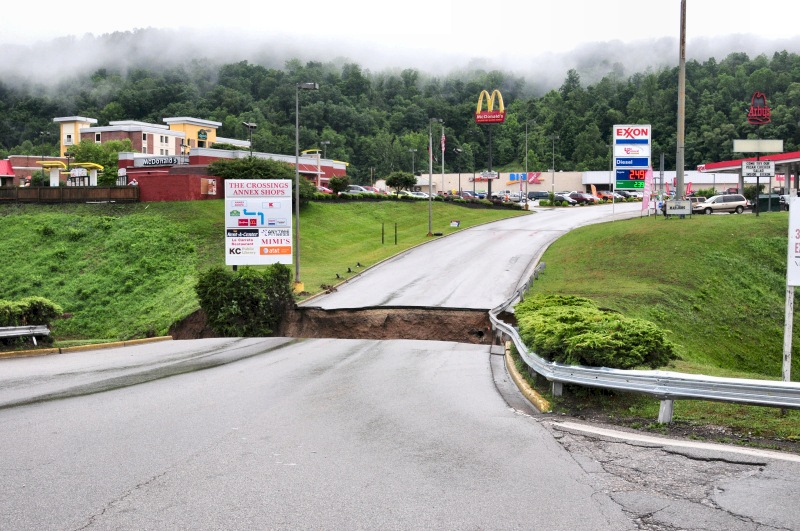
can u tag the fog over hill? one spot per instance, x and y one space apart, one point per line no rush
47 62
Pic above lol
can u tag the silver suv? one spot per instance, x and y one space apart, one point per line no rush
722 203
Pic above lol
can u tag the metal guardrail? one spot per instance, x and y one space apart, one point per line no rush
664 385
22 331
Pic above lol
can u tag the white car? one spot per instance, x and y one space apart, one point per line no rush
421 195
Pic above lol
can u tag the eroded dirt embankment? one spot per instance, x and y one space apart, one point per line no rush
461 325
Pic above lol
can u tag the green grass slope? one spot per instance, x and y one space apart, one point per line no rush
123 271
717 283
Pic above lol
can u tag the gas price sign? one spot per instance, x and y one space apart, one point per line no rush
631 155
627 179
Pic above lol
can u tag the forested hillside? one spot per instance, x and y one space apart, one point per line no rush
374 119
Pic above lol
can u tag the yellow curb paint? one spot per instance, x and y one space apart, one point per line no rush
538 401
28 353
80 348
147 340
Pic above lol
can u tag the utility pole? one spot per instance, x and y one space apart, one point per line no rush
680 155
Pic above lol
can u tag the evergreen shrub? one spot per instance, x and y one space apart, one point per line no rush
574 331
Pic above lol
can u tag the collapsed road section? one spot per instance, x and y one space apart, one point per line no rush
435 324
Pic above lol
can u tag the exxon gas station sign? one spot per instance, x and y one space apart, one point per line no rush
631 155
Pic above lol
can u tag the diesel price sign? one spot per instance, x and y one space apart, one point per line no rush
631 155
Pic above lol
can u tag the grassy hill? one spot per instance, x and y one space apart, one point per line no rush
123 271
717 283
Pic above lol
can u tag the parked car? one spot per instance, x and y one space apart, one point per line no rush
501 194
356 189
538 194
564 198
635 193
420 195
466 194
583 198
324 190
722 203
785 200
372 189
695 199
608 195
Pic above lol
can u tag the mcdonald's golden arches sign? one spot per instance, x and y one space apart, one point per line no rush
490 115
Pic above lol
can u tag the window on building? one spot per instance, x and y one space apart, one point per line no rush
144 137
97 138
144 149
68 140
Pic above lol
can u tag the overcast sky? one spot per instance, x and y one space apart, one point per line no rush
439 34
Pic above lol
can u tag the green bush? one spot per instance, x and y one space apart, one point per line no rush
247 302
574 331
28 311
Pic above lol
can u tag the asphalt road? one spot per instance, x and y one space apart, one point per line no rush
280 434
276 433
477 268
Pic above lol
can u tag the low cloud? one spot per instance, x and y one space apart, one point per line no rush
47 62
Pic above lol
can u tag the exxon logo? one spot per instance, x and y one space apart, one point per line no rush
632 132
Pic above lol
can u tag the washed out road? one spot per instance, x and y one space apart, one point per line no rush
280 433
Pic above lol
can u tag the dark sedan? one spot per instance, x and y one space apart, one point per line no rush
583 198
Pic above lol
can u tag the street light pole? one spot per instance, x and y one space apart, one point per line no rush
413 157
443 141
458 151
324 144
430 175
250 126
298 88
526 160
554 137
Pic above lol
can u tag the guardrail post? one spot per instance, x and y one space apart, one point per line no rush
558 388
665 412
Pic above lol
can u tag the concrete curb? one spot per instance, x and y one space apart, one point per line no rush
538 401
65 350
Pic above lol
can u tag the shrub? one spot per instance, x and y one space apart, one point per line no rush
247 302
574 331
28 311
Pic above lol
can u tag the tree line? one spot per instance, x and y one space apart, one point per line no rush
382 122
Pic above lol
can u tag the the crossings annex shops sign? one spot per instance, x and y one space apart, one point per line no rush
258 221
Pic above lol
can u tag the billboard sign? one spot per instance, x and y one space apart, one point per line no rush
258 222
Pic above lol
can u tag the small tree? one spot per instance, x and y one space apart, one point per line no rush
400 180
105 154
258 168
338 184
